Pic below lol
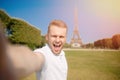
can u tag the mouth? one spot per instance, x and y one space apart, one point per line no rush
57 47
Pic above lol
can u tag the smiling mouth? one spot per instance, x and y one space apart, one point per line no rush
57 47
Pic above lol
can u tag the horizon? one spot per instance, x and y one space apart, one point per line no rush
96 19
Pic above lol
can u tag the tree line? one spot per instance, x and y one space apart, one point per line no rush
110 43
19 31
105 43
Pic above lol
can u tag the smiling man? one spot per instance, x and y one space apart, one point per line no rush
55 65
48 62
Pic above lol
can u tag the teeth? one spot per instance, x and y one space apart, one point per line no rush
56 45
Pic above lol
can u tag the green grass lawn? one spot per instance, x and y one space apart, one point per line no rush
91 65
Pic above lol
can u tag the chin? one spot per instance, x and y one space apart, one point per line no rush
56 52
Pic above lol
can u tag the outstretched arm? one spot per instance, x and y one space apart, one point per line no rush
24 60
17 59
6 68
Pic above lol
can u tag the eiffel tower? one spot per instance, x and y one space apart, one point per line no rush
76 40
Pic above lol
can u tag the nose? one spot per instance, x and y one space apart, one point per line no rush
57 39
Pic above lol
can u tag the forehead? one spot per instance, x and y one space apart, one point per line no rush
56 29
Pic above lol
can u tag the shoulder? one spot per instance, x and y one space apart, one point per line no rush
41 50
62 52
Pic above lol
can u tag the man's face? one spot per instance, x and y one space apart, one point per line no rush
56 38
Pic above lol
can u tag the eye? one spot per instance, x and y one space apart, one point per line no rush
54 36
61 36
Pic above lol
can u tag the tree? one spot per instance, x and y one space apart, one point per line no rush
20 32
107 43
4 17
43 41
116 41
98 44
88 45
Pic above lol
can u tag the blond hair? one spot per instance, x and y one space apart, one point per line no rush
58 23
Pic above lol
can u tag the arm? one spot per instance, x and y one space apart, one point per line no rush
24 60
6 67
17 59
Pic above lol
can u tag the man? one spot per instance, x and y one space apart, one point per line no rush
49 62
55 65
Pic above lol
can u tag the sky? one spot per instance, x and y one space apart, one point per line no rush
97 19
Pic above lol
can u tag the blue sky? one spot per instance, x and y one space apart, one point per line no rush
97 19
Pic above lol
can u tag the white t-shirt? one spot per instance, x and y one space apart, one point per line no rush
55 66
